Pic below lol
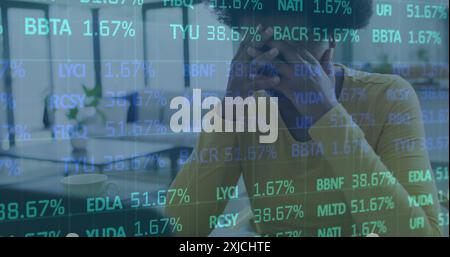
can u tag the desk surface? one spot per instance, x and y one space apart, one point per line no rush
98 152
75 217
127 183
142 131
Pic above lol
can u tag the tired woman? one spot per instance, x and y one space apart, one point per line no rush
339 166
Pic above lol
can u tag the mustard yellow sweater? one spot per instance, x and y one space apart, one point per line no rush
366 170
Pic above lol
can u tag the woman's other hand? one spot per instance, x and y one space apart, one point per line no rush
298 71
242 81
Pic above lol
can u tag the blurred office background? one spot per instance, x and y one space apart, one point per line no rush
32 70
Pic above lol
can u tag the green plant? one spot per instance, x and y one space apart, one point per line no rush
423 55
93 97
384 65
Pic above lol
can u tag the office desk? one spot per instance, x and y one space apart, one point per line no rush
76 217
43 183
100 153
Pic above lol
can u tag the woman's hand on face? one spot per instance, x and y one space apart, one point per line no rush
242 80
301 72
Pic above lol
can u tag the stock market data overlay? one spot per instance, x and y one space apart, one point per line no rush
224 118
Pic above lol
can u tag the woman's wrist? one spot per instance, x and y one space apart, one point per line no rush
314 111
322 110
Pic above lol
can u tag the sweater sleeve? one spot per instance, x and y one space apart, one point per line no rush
206 170
408 206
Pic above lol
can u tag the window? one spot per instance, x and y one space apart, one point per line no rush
3 93
170 56
423 65
391 52
1 35
204 54
165 53
71 51
122 66
29 71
